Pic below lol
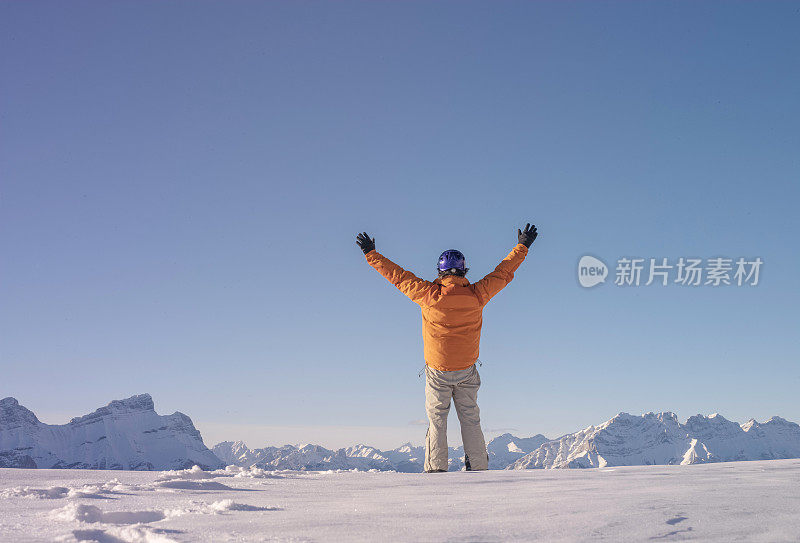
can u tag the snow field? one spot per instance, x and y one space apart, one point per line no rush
94 522
750 501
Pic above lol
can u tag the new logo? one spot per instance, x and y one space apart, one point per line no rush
591 271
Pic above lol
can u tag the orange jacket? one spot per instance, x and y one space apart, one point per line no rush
452 308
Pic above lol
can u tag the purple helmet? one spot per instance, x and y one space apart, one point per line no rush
452 259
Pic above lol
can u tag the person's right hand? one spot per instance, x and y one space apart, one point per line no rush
363 240
527 236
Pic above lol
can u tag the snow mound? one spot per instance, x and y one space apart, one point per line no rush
91 514
132 524
251 473
230 505
185 484
52 493
124 534
100 490
195 472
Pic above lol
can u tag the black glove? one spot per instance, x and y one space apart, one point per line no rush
526 238
363 240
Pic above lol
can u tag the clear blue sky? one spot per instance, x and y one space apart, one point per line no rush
181 184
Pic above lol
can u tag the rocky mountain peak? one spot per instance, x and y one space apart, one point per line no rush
13 415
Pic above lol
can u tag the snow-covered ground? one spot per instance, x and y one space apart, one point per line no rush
749 501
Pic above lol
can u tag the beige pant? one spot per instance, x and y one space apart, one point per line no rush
462 386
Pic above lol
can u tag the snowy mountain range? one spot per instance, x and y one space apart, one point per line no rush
128 434
125 434
659 438
503 450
